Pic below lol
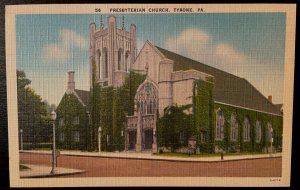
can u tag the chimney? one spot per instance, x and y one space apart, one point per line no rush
270 99
71 81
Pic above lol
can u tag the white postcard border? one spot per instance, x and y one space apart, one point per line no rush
15 181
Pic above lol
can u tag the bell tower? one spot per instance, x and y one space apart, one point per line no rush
112 51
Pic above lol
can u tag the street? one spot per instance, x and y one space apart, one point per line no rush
116 167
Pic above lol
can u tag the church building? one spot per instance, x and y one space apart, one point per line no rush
238 117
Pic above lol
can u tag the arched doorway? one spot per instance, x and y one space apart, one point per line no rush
148 140
144 119
132 139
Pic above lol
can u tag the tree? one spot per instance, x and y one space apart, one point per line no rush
32 111
175 127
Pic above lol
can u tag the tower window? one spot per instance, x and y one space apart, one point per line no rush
120 55
98 62
126 61
105 62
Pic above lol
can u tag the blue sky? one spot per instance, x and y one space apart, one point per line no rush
249 45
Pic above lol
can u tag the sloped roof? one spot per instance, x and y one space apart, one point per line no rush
228 89
279 106
84 96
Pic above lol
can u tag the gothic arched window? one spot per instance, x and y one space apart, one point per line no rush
154 106
145 107
233 127
258 132
98 62
151 106
105 56
269 135
126 61
142 107
147 97
120 55
148 107
219 125
246 130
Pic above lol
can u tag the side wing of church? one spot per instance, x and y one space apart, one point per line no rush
73 117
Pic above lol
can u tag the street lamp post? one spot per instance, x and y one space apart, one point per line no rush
99 139
86 129
122 134
53 118
21 136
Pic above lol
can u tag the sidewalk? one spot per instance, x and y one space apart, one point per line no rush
44 171
150 156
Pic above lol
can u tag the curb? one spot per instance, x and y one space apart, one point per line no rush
158 159
50 175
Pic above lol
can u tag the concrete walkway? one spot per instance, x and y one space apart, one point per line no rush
44 171
150 156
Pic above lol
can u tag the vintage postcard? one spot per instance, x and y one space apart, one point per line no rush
150 95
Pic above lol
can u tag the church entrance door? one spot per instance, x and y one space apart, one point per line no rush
132 140
148 138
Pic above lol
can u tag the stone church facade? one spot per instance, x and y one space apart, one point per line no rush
163 87
170 80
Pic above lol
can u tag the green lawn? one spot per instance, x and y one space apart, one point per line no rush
42 149
46 149
204 154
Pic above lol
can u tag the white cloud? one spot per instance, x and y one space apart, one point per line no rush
198 44
191 42
71 38
229 59
61 51
227 52
54 53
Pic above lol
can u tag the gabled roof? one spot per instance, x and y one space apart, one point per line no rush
228 89
84 96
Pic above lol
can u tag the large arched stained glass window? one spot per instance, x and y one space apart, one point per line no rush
233 127
246 130
269 135
258 132
219 125
147 97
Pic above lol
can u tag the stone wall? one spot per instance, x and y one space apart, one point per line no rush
148 57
